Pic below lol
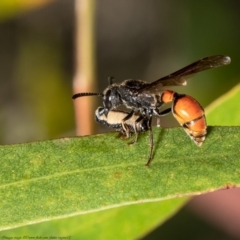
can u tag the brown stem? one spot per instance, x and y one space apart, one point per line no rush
84 79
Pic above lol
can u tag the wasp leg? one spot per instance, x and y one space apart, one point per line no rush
151 142
161 114
121 135
135 130
125 128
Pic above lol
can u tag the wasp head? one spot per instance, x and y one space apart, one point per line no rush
111 98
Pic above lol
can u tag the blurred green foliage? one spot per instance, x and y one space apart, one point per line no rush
12 8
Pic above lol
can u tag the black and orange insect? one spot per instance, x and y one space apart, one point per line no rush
145 99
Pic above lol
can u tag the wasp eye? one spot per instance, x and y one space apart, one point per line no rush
107 100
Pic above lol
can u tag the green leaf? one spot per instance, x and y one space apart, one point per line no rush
126 222
65 177
225 110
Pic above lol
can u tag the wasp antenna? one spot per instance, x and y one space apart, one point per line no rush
110 80
77 95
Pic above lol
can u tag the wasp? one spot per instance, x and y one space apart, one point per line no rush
145 99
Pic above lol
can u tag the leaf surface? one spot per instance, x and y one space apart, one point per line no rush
65 177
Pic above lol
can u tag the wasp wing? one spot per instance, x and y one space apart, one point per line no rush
179 77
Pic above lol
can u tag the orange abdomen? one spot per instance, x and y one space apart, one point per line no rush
189 113
186 108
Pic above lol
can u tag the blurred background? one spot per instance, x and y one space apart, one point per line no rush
132 39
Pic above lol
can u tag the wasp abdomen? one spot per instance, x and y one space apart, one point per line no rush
190 114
